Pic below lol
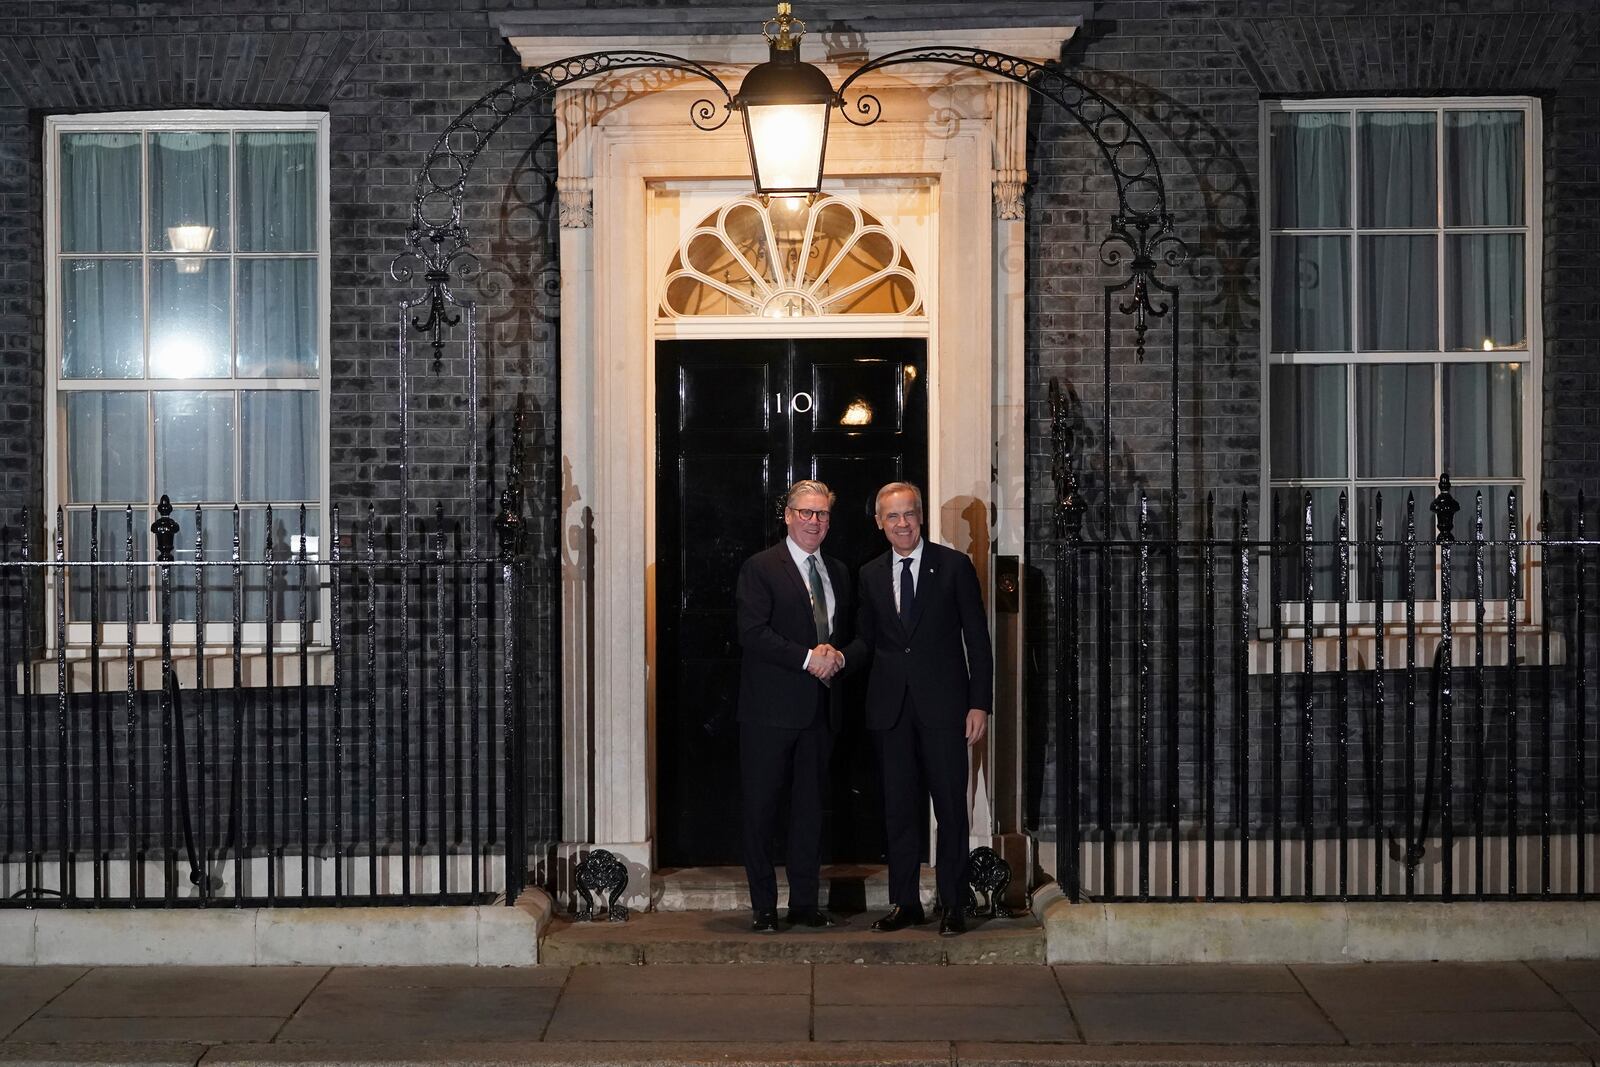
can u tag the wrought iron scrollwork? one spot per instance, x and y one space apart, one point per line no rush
988 874
437 238
602 872
1141 229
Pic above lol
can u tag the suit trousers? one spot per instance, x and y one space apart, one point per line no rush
772 758
922 760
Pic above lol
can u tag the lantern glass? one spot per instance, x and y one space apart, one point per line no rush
786 145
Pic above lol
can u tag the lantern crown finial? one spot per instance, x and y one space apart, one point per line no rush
783 31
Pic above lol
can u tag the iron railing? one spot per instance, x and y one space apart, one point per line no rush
1338 710
337 730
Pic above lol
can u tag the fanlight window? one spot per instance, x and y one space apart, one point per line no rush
790 259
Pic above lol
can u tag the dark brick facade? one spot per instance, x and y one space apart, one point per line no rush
1192 73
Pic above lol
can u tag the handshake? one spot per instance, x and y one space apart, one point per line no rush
825 662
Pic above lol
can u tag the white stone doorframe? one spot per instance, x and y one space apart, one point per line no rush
961 131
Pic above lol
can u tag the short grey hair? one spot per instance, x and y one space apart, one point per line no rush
898 487
808 485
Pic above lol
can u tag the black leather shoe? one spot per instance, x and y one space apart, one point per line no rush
953 923
899 918
815 918
765 922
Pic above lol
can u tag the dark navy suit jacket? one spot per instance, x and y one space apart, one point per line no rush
941 656
776 630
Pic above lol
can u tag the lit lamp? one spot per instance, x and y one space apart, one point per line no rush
193 240
785 106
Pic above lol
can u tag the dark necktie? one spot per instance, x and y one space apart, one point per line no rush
819 602
908 590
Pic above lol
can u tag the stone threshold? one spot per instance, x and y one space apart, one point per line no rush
810 1054
1319 932
846 887
725 937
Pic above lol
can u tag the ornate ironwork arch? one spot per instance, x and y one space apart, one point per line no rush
1141 231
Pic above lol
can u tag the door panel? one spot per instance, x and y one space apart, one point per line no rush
730 440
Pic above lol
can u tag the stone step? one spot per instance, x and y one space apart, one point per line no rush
725 937
845 888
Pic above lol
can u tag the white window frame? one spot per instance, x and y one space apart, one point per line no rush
219 634
1362 613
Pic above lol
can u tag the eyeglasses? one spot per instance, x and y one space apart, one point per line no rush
813 514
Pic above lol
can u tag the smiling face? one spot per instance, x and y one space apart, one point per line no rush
900 519
807 533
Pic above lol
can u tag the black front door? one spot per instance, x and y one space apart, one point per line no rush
737 422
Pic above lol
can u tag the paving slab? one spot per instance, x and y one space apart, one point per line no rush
684 1017
1569 976
422 1013
945 1022
1587 1005
24 990
585 1054
1256 1018
443 977
168 992
1460 1027
925 984
1401 987
687 978
1037 1055
105 1054
187 1028
1177 978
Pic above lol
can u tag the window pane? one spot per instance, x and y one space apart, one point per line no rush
1308 422
1394 421
277 318
1291 505
277 192
1496 558
1399 294
1397 164
106 458
1483 420
111 529
1483 168
1311 294
100 192
280 446
102 318
217 525
189 318
280 585
1394 500
194 446
1310 169
189 192
1483 299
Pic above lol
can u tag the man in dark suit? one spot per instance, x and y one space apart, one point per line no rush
929 695
793 606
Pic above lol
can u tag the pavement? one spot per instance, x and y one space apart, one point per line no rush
1020 1015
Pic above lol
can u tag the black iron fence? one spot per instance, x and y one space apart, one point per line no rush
1350 707
206 725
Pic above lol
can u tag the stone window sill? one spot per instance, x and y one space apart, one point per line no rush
1361 648
255 669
